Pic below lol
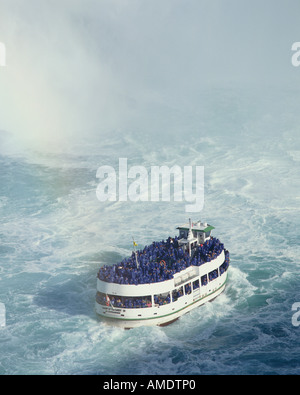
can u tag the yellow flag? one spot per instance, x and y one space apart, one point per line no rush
134 243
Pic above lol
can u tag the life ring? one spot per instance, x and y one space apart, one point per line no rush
162 262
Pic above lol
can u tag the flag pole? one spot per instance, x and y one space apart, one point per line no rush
134 245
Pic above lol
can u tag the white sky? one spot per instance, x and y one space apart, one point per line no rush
75 67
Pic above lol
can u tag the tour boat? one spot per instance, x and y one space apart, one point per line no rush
158 284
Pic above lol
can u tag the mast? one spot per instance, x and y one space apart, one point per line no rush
190 237
135 253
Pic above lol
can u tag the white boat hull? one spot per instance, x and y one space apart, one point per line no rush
165 314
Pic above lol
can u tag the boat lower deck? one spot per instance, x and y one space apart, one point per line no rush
165 314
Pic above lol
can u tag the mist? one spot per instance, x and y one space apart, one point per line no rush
80 70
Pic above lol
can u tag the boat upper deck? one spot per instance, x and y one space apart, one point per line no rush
159 262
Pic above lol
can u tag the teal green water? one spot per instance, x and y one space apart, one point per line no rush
55 234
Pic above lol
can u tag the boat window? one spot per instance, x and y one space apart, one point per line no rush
183 234
188 289
213 275
223 268
204 280
196 284
177 293
162 299
100 298
127 302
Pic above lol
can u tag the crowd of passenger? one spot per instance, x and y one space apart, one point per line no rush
210 250
162 299
124 302
159 262
225 264
213 275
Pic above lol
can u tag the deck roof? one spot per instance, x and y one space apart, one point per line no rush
197 228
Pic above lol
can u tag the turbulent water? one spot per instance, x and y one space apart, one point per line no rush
55 233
